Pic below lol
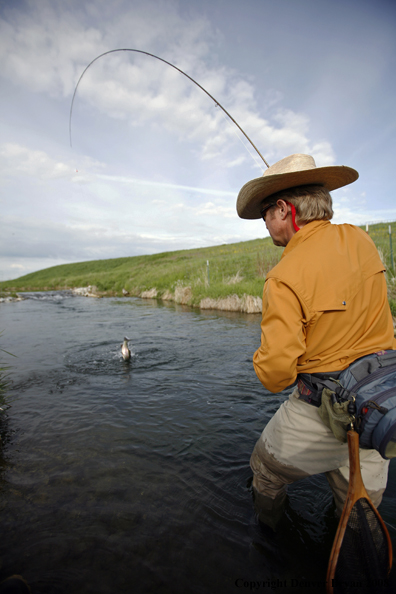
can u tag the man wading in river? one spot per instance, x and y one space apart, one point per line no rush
324 306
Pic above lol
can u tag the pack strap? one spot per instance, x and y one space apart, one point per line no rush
369 364
310 385
364 369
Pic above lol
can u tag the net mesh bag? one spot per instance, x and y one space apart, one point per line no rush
362 565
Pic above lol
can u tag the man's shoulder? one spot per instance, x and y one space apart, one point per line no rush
328 247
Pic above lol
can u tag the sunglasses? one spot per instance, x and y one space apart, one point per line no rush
266 207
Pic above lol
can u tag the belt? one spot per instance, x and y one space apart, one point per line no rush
310 386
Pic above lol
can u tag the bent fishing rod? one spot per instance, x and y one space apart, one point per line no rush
176 68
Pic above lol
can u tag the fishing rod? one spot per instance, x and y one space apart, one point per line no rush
176 68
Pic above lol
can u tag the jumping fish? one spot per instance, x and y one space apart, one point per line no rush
126 353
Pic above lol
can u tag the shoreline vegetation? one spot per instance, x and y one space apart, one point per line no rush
228 277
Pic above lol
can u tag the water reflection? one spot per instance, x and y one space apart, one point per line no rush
134 476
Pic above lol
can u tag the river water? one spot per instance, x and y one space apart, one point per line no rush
124 477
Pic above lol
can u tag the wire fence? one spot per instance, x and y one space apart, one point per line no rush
383 237
381 222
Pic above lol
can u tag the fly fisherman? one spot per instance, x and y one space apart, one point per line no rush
324 306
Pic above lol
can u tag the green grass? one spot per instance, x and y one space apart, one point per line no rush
379 233
234 269
238 268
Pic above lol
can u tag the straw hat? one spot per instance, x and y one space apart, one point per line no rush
296 170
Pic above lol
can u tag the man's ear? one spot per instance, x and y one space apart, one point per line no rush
283 208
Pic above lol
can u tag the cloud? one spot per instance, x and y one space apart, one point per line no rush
16 160
215 210
45 49
138 182
156 165
11 268
69 242
33 244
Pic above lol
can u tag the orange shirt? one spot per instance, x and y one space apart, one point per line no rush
324 305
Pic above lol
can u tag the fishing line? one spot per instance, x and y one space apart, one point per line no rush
390 525
243 144
176 68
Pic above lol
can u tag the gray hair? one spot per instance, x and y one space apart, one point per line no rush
312 202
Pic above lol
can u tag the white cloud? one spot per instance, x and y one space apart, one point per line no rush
215 210
154 184
156 165
16 159
48 53
323 154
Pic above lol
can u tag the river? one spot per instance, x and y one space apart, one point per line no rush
124 477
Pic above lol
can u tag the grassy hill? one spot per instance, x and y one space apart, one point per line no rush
238 268
185 276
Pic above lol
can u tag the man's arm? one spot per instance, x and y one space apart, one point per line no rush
282 337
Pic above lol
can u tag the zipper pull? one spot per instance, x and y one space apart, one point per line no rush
380 409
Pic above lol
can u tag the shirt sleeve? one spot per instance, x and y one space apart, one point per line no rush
282 337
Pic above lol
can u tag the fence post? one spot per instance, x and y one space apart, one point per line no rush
207 270
391 249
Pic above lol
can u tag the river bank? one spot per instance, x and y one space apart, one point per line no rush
10 297
250 304
228 277
182 296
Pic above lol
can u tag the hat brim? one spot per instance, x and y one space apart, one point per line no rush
255 191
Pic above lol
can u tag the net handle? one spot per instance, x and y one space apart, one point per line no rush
356 490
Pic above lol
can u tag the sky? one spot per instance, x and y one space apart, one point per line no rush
154 164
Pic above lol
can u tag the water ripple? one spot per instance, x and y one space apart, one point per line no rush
123 476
